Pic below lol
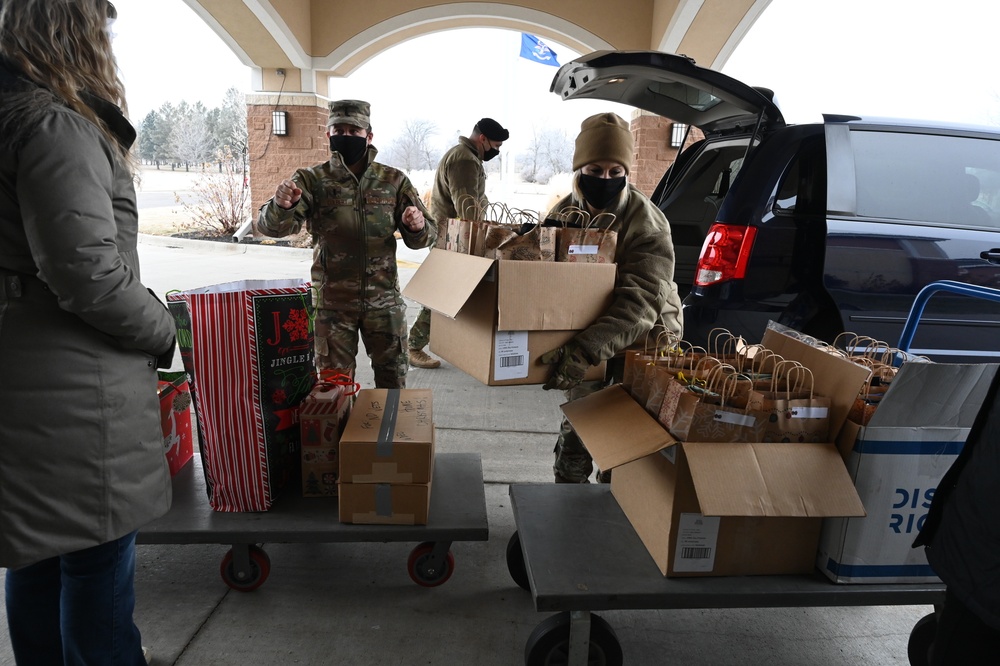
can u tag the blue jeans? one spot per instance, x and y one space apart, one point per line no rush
76 609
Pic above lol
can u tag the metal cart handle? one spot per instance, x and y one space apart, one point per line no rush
917 310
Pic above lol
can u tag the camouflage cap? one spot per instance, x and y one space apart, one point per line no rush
350 111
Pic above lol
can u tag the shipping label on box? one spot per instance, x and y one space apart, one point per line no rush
389 438
175 419
492 320
322 417
896 462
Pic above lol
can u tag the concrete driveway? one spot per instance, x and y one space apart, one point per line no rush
355 604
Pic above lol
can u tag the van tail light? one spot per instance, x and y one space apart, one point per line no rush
725 254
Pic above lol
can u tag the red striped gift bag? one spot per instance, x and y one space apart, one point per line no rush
247 348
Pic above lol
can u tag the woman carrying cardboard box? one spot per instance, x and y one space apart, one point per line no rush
645 295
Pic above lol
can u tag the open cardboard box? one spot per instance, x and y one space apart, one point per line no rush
492 319
711 509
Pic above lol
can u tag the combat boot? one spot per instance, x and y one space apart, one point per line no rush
420 359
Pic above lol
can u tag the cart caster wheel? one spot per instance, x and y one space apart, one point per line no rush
548 644
260 569
423 568
515 562
921 638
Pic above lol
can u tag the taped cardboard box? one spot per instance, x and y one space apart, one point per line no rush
492 319
385 503
896 462
389 438
175 419
322 417
714 509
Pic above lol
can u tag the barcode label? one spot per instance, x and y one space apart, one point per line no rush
697 538
511 361
510 355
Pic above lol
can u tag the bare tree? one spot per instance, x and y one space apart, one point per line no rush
191 141
223 198
231 130
413 150
550 152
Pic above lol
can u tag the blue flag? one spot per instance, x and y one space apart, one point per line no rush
535 50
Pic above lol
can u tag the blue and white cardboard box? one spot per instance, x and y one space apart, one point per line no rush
896 462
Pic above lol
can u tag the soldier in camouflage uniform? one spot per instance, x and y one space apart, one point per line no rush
459 176
353 206
645 295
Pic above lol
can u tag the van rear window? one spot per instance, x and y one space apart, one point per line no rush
946 180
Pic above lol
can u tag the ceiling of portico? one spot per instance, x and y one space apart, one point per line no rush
311 40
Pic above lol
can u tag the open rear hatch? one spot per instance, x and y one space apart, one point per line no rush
669 85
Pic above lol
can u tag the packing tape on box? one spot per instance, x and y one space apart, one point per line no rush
387 429
383 499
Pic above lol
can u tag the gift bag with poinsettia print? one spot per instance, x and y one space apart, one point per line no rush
247 348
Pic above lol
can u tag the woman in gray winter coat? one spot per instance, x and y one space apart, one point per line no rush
81 457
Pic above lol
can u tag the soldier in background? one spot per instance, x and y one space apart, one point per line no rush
460 180
352 206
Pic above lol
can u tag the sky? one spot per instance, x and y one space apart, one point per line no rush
900 58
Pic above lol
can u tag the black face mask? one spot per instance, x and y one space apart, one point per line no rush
490 154
351 148
599 192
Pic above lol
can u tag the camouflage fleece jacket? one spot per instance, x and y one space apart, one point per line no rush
352 220
459 174
645 293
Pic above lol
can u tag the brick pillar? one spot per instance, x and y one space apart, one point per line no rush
273 158
653 152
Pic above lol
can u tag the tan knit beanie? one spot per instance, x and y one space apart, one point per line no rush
604 137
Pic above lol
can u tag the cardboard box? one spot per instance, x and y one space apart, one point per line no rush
385 503
175 419
896 462
322 417
492 319
389 438
714 509
720 509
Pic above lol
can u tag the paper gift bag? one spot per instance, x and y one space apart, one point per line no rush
692 374
247 348
703 415
458 235
322 417
655 343
587 244
796 413
538 244
175 419
462 233
502 224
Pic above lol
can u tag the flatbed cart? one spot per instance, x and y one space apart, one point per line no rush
576 552
457 513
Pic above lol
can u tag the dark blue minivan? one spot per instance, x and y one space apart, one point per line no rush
826 227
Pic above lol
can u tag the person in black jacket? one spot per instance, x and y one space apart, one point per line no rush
962 540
